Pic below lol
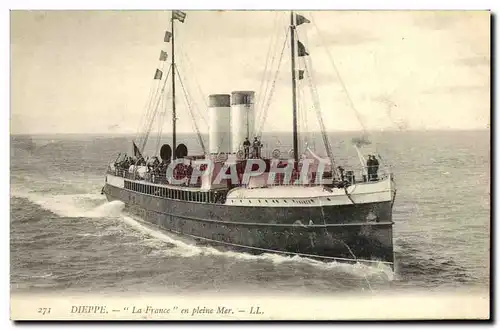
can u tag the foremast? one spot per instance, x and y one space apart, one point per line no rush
294 92
174 116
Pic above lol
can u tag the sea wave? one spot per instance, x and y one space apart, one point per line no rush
183 249
74 205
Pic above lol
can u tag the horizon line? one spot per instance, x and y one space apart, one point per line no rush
278 132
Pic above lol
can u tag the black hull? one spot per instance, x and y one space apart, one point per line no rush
340 233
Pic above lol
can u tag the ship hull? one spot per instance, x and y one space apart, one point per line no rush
338 232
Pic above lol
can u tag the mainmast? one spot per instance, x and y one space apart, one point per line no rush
174 133
294 92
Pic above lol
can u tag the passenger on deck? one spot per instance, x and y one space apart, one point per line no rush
369 167
341 170
246 148
256 147
375 164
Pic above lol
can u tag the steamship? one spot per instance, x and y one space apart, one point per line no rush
347 218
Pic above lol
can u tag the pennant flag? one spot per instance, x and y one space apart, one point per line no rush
163 56
301 19
179 15
137 153
302 50
158 74
301 74
168 36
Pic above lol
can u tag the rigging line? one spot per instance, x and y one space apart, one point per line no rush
264 74
266 108
267 73
268 79
198 86
200 138
145 117
195 106
161 121
315 98
303 112
309 133
146 107
351 103
150 100
302 130
139 126
160 124
149 118
154 114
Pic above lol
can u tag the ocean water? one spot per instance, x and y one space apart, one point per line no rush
65 237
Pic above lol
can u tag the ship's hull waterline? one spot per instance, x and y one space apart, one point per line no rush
350 233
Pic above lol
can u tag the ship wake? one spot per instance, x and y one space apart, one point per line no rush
95 206
181 247
74 205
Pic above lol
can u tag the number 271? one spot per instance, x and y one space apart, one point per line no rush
44 311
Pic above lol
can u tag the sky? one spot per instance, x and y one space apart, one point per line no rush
92 71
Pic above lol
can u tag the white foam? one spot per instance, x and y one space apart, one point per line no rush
76 205
183 249
109 209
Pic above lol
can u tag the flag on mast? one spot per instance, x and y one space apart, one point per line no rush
168 36
158 74
301 50
179 15
301 74
137 153
163 56
299 19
